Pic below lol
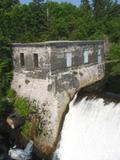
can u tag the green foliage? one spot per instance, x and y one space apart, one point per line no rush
5 66
5 50
114 53
102 8
22 106
5 76
114 57
24 23
38 1
85 4
55 21
113 30
8 4
5 108
26 129
11 93
3 102
116 69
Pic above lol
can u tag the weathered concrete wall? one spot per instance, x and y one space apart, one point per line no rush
59 51
52 85
37 91
29 69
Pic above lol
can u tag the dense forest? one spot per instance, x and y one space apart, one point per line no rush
53 21
39 21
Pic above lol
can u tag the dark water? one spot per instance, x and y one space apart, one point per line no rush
4 146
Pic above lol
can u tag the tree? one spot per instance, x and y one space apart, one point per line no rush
85 4
5 65
98 6
114 55
8 4
38 1
115 11
101 8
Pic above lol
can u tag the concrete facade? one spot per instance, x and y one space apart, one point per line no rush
50 73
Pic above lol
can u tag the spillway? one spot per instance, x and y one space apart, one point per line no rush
91 131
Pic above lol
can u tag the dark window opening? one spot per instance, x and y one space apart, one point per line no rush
22 61
36 60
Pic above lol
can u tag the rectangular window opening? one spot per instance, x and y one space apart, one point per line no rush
99 57
36 60
69 59
85 55
22 61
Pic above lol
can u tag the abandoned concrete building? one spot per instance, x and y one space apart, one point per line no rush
50 73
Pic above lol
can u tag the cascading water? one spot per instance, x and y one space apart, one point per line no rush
91 131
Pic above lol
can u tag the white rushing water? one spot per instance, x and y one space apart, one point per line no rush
91 131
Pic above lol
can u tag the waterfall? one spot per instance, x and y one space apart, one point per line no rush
91 131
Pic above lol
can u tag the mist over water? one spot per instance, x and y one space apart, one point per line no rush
91 131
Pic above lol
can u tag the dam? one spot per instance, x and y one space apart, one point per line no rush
49 74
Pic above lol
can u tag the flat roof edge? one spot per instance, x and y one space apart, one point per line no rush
56 42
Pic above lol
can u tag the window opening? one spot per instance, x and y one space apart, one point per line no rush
85 55
22 61
69 59
35 60
99 57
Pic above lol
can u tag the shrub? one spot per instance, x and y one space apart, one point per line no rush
22 106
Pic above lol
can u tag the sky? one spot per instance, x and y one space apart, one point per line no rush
76 2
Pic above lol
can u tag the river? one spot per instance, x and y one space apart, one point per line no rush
91 131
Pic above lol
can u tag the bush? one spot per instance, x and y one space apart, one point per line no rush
5 65
5 108
114 57
22 106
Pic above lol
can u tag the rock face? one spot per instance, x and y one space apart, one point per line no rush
50 73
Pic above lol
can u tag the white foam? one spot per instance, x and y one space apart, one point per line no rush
91 131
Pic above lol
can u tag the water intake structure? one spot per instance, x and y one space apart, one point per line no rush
91 131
